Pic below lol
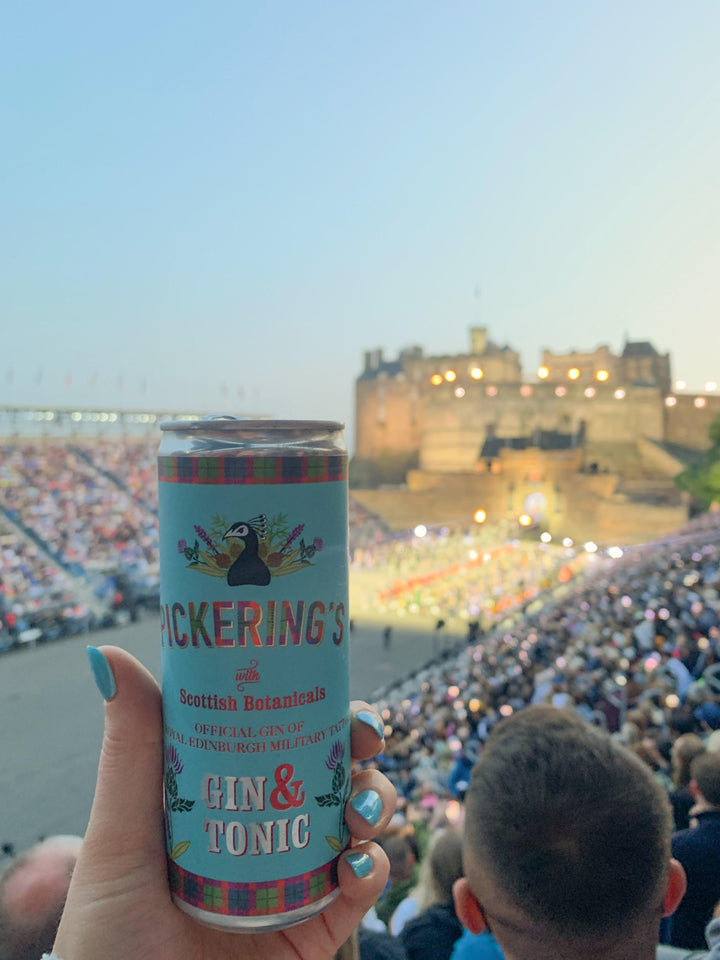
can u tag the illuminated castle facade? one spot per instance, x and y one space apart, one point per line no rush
586 435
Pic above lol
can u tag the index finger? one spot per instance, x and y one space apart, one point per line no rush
366 731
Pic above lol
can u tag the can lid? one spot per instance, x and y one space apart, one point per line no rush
226 422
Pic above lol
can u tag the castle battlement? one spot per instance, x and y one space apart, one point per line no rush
469 414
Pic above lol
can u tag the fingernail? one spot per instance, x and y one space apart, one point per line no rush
372 720
369 805
102 672
360 863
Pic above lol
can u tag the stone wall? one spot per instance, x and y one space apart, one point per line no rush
588 510
688 424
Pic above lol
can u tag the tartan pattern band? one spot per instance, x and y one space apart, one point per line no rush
252 470
252 899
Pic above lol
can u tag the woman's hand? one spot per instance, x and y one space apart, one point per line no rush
119 905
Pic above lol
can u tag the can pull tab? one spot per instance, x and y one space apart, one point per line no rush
221 416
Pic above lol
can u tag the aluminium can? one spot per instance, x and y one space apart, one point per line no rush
254 627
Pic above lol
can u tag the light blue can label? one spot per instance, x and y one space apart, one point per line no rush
254 629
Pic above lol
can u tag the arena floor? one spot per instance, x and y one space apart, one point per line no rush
51 718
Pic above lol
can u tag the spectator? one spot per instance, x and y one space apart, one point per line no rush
566 849
684 750
435 929
403 856
427 891
33 890
698 850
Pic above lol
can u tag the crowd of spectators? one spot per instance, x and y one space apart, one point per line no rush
79 536
366 527
132 463
37 597
82 515
633 646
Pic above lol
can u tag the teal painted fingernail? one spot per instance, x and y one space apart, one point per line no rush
102 672
369 805
360 863
364 716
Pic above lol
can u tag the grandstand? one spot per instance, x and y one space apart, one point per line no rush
79 529
633 641
79 541
79 521
78 422
78 518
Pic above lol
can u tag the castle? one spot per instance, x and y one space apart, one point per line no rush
586 447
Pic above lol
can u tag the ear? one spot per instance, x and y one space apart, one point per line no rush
676 887
467 907
694 789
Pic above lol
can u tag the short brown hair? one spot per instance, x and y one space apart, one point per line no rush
684 750
445 856
570 825
705 771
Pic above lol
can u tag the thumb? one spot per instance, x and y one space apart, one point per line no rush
126 821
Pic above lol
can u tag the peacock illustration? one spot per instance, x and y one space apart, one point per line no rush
248 567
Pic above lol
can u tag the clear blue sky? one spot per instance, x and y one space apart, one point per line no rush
204 197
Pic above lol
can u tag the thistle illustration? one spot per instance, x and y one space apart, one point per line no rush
173 802
339 792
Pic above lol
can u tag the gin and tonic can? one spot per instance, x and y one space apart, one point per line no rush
254 624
